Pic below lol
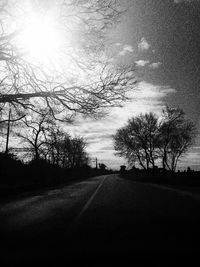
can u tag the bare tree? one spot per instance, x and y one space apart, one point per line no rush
146 139
34 134
176 135
76 154
90 82
137 141
55 137
64 150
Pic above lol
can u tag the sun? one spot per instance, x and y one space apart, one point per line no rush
40 38
49 43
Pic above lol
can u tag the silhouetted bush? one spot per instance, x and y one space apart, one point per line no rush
163 177
10 168
18 177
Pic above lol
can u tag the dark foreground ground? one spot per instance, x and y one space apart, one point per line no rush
103 221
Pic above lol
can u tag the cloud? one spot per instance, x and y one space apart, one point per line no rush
98 133
155 65
143 45
93 138
141 63
107 148
118 44
152 92
126 49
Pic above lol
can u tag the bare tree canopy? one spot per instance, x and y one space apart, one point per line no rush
33 133
42 139
176 135
137 141
53 55
147 139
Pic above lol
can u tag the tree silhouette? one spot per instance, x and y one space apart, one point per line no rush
147 138
34 134
64 150
137 141
74 152
176 135
90 82
54 139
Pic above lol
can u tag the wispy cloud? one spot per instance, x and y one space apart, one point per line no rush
143 44
155 65
141 62
118 44
125 49
152 92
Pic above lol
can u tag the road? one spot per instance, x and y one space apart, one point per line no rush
105 215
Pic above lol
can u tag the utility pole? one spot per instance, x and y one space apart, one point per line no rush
8 132
96 164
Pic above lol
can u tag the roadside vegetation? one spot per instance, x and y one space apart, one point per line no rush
18 177
188 180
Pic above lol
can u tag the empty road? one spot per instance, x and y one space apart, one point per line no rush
105 215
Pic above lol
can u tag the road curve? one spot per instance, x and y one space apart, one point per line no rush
103 215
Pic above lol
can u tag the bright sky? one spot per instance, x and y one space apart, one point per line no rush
40 38
163 39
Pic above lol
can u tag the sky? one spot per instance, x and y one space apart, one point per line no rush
162 38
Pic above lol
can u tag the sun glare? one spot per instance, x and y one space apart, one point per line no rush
40 39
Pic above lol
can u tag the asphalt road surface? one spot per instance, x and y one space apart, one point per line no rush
102 217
